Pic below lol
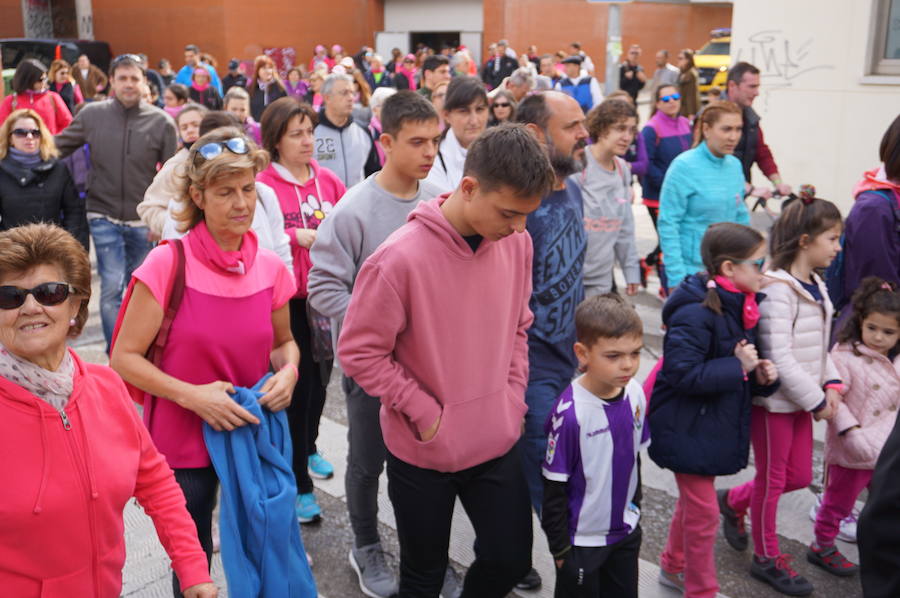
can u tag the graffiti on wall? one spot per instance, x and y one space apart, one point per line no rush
37 18
781 58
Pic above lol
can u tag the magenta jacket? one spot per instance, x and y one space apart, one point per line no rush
304 205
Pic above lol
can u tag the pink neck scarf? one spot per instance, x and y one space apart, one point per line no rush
204 246
751 307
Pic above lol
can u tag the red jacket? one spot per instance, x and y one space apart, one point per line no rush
303 206
48 104
64 490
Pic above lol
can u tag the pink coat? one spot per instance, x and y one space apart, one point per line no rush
871 400
436 330
66 482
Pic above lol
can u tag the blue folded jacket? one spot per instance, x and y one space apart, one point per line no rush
262 551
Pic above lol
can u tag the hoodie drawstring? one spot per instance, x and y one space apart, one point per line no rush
88 459
45 462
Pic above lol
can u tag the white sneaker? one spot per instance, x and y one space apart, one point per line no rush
847 530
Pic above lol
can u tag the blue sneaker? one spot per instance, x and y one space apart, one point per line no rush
307 509
319 468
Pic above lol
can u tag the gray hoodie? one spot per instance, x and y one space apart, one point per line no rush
345 151
126 145
358 224
608 225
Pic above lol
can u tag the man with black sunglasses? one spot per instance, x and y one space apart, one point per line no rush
127 139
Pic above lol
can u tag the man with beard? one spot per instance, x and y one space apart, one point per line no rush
557 234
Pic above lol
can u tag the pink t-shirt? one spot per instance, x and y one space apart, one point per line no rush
222 331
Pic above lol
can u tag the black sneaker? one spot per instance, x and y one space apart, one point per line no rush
532 581
779 574
831 560
732 523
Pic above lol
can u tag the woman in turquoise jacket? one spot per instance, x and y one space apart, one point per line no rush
702 186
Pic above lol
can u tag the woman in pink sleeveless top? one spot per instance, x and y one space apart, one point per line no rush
231 325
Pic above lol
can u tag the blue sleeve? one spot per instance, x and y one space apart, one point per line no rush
654 172
687 368
216 82
184 76
741 213
672 207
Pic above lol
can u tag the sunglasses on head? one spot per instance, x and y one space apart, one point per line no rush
48 294
236 145
671 97
36 133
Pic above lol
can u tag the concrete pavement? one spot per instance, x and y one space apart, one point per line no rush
147 574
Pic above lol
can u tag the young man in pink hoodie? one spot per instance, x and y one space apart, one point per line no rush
436 328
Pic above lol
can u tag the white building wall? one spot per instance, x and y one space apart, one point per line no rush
433 15
823 117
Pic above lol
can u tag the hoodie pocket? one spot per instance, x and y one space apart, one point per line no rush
79 583
474 431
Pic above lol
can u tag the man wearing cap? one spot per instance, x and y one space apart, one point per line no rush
234 78
585 89
499 67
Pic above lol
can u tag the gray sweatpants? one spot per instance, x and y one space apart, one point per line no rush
365 462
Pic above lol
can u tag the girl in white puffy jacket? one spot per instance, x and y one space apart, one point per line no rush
866 356
794 332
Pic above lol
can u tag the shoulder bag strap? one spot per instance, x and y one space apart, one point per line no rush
154 354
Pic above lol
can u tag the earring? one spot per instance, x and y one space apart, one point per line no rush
72 322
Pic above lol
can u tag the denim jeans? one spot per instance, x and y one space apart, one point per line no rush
120 250
540 396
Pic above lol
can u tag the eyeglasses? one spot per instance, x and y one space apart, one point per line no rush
236 145
670 97
758 263
502 104
36 133
48 293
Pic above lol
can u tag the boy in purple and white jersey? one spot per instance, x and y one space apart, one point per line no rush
592 483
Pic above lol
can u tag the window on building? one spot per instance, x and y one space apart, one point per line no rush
885 38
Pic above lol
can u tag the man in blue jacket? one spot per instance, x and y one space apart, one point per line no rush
192 61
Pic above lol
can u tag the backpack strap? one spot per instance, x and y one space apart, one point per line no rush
155 352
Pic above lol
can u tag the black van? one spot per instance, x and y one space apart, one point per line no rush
14 50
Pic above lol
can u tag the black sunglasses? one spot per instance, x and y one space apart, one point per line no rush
236 145
36 133
502 104
48 293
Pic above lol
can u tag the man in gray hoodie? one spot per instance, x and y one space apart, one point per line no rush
342 145
127 139
366 215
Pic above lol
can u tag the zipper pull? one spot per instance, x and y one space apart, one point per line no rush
67 425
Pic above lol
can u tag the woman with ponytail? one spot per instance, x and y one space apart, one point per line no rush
703 185
700 410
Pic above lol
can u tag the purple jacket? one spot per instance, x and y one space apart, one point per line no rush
871 240
636 156
664 138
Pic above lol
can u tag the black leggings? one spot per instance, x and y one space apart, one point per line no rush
199 486
308 399
653 256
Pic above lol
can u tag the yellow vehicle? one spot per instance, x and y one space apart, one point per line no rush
713 60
